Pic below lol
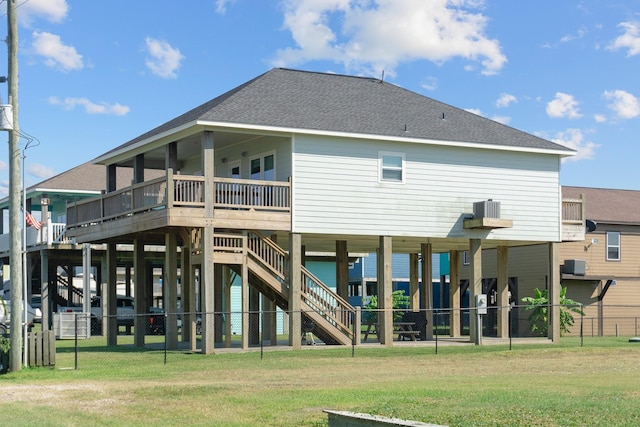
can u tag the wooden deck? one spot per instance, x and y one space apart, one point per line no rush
180 200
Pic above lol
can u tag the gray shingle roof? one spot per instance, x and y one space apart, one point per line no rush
607 205
291 99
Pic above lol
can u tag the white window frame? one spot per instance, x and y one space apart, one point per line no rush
382 168
465 258
235 164
617 246
262 157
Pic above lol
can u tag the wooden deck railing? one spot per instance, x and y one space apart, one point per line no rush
187 191
573 211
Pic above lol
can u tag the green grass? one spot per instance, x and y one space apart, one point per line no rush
560 384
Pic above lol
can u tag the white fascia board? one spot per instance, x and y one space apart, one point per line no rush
198 125
63 191
566 152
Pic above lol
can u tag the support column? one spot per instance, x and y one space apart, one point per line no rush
45 290
218 295
245 298
295 279
140 296
502 287
254 316
226 306
475 288
427 286
170 289
108 299
454 294
207 277
554 291
414 285
86 278
385 290
342 269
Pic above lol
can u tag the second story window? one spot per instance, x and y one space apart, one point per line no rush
391 167
613 246
465 258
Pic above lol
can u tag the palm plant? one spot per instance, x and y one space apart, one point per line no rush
539 306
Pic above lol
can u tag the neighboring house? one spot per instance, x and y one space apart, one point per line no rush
600 270
54 259
603 270
294 162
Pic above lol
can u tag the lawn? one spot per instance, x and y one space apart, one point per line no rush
530 385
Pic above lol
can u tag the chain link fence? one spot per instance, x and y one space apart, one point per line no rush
158 337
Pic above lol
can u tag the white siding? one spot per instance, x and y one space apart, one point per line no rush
336 190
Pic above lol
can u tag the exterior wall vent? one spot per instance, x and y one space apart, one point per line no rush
577 267
486 209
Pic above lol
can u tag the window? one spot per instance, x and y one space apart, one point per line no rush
264 168
391 167
465 258
613 246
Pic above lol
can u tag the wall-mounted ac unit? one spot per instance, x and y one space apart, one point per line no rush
577 267
486 209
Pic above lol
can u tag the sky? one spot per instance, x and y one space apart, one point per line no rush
96 74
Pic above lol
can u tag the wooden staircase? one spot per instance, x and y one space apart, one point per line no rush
268 267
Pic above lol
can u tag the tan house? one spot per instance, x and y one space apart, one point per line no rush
603 271
296 161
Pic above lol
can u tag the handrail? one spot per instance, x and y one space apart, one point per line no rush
316 294
186 191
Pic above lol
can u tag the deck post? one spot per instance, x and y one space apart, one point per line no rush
475 288
554 292
109 310
140 294
502 287
414 282
385 290
342 269
427 286
207 276
454 294
170 291
295 292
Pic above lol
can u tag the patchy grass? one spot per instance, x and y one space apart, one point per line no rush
531 385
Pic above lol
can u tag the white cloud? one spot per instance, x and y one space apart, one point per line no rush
51 10
505 99
164 60
90 107
56 54
221 6
600 118
41 171
575 139
630 39
624 104
476 111
375 35
3 165
563 105
430 83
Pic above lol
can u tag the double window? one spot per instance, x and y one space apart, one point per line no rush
264 167
392 167
613 246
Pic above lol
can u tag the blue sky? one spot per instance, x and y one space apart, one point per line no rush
95 74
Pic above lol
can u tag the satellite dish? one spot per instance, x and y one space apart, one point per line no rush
591 225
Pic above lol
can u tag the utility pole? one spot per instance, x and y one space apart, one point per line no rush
16 218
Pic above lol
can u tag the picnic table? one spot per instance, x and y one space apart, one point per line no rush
403 330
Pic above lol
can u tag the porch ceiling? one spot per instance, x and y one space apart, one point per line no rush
369 244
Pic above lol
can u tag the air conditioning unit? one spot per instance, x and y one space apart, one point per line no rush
577 267
486 209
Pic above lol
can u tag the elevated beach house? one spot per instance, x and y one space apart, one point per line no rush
294 162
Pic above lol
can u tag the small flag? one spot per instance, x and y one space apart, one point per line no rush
33 222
